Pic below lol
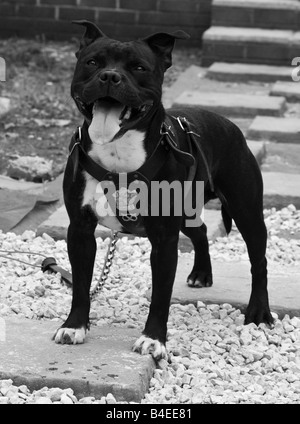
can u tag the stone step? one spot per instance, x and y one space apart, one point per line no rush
222 71
4 106
233 104
280 14
288 89
280 130
281 157
104 364
281 189
250 45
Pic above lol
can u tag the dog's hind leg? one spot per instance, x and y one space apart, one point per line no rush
243 194
252 227
201 274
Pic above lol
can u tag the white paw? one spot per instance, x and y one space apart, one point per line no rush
145 345
70 335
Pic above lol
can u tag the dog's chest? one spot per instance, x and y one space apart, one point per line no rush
125 154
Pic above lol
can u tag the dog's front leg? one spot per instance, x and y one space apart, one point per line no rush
163 258
82 251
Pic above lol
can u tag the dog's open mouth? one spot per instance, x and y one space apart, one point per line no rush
128 115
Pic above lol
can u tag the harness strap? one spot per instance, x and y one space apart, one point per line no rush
185 158
185 125
166 143
78 155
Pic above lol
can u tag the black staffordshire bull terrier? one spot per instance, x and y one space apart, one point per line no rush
117 86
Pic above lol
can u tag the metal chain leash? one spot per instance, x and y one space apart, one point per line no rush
106 266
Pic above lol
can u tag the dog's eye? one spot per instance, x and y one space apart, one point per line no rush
91 62
140 68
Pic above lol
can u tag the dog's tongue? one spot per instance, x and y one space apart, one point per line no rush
105 123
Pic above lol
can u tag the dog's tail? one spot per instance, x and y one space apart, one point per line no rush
227 220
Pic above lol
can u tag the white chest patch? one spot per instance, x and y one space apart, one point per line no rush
124 154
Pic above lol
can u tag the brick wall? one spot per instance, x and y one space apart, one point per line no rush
122 19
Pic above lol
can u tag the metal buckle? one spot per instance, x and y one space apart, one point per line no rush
168 130
77 142
192 132
168 133
74 145
181 119
178 119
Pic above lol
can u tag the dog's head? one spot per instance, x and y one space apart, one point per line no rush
124 76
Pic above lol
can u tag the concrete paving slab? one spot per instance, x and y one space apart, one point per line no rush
288 89
232 284
281 130
222 71
281 157
281 189
103 364
235 104
5 106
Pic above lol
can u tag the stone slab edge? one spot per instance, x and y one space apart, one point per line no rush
222 71
235 105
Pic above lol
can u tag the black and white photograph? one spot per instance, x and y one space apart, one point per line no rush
149 205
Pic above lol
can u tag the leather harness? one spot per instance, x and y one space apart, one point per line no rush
167 143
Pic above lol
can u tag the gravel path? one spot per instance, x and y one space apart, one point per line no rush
214 358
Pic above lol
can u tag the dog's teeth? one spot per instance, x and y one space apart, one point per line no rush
128 113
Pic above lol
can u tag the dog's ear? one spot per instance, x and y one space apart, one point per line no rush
162 44
92 32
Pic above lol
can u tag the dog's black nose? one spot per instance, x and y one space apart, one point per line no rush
110 76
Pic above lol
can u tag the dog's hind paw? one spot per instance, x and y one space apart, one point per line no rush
66 335
198 279
145 345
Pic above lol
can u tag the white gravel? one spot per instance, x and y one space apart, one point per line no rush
214 357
